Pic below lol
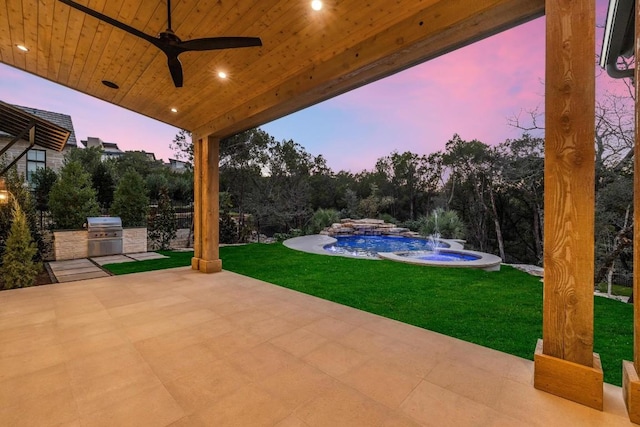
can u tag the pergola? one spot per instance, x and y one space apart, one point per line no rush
310 56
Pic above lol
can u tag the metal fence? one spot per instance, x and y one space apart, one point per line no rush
184 217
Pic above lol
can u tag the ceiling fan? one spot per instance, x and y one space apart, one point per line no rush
169 43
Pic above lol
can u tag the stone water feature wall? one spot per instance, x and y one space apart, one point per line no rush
367 226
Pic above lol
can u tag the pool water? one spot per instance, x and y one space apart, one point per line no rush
446 257
369 246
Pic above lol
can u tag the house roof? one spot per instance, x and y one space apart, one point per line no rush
14 121
306 56
62 120
111 146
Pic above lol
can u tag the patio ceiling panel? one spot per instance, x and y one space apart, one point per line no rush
307 56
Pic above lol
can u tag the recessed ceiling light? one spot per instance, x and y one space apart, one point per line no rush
222 74
316 5
112 85
174 110
22 47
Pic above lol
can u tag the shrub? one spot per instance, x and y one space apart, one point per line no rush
72 198
387 218
227 228
446 223
323 218
130 201
163 228
19 268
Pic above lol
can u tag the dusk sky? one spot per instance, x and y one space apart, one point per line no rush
472 92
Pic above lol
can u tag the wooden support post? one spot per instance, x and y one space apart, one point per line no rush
630 380
197 202
566 365
206 255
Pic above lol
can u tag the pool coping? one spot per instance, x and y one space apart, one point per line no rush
487 262
315 243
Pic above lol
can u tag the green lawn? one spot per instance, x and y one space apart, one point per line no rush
501 310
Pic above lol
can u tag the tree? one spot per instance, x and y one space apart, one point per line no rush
182 145
19 268
242 160
181 187
72 198
20 192
139 161
89 158
156 182
42 181
130 201
162 229
472 186
352 202
104 184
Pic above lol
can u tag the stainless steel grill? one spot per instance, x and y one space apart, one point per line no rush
104 236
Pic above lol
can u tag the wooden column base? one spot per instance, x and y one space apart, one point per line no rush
214 266
631 390
569 380
205 266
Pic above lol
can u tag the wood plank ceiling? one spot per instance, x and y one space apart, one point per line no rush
307 56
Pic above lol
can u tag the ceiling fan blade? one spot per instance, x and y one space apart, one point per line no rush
213 43
111 21
175 68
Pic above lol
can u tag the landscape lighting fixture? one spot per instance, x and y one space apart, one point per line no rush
316 5
22 47
4 193
619 34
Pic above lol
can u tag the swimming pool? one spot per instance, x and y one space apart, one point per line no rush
412 250
369 246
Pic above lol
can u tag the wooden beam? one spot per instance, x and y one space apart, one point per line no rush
431 32
206 257
569 181
636 202
569 205
197 201
630 380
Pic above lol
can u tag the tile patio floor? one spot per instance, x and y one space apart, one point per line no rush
181 348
